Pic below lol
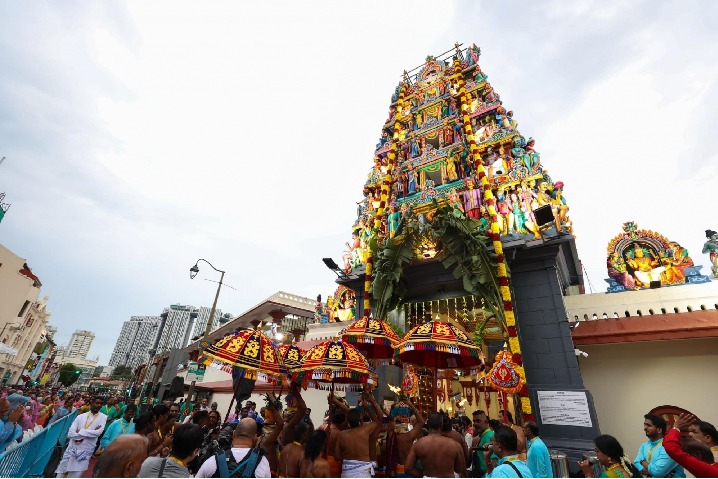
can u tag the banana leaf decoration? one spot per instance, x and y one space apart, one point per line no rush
464 251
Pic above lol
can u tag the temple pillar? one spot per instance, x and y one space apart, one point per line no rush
539 276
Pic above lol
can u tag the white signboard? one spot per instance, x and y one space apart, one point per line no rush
564 408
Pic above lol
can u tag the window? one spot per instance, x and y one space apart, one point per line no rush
23 310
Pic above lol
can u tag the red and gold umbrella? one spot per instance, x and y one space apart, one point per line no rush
291 355
336 363
249 350
372 337
439 345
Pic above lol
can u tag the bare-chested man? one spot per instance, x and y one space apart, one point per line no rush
288 432
399 441
313 464
440 456
520 434
448 431
271 438
352 447
292 454
337 424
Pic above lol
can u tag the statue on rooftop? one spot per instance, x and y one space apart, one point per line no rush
711 247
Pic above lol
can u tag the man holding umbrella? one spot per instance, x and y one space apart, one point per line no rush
352 446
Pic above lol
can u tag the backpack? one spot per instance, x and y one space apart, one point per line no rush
227 466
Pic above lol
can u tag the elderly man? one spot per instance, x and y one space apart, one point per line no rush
122 458
243 446
82 435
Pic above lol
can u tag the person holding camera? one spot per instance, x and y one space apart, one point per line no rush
505 444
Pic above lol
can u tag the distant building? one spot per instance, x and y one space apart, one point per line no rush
137 337
79 344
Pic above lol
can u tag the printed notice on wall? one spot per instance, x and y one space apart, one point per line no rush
564 408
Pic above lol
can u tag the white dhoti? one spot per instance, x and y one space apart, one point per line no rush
76 458
352 468
646 277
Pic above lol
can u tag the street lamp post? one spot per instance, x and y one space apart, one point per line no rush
208 329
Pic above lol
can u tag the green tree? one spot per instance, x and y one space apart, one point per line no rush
121 372
69 373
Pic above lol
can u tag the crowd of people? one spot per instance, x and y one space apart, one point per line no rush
178 439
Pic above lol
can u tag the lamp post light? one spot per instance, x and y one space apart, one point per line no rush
193 271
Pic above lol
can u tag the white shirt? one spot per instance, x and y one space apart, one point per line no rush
209 467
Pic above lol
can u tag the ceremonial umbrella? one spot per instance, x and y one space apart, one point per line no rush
373 338
439 345
291 355
337 363
248 355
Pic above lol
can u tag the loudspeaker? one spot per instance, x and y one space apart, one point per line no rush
655 284
543 215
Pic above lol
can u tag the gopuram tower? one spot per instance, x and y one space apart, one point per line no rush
461 222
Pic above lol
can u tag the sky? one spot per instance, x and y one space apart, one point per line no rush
141 136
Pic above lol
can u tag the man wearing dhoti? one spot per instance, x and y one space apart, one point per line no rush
352 447
83 435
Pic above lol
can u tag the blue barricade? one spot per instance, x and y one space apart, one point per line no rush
30 457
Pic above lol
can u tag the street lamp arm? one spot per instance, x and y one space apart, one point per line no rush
210 264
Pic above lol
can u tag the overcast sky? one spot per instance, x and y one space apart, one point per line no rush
141 136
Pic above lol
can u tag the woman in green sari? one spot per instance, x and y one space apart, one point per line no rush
610 455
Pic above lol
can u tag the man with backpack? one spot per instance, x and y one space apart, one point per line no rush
244 459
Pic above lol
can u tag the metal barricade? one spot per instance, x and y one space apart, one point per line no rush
30 457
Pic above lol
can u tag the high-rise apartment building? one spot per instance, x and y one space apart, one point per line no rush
79 344
142 336
136 338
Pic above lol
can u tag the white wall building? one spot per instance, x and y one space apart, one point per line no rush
22 317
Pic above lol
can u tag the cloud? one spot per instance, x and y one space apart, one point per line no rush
142 136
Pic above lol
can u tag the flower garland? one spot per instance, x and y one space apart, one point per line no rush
494 235
379 217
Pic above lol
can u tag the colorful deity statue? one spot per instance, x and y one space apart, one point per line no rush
711 247
320 313
393 219
472 200
451 174
560 208
639 259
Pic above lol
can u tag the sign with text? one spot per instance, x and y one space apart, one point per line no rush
195 372
564 408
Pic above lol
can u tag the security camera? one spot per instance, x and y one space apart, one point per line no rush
578 352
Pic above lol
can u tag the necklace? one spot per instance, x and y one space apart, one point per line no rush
159 433
88 423
298 444
178 461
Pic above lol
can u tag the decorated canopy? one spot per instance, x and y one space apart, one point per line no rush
248 350
373 337
439 345
291 355
335 362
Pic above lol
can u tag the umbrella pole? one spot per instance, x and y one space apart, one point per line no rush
234 395
435 402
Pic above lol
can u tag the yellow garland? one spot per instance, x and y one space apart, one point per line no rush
379 212
498 247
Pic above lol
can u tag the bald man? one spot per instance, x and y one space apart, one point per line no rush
123 457
244 441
